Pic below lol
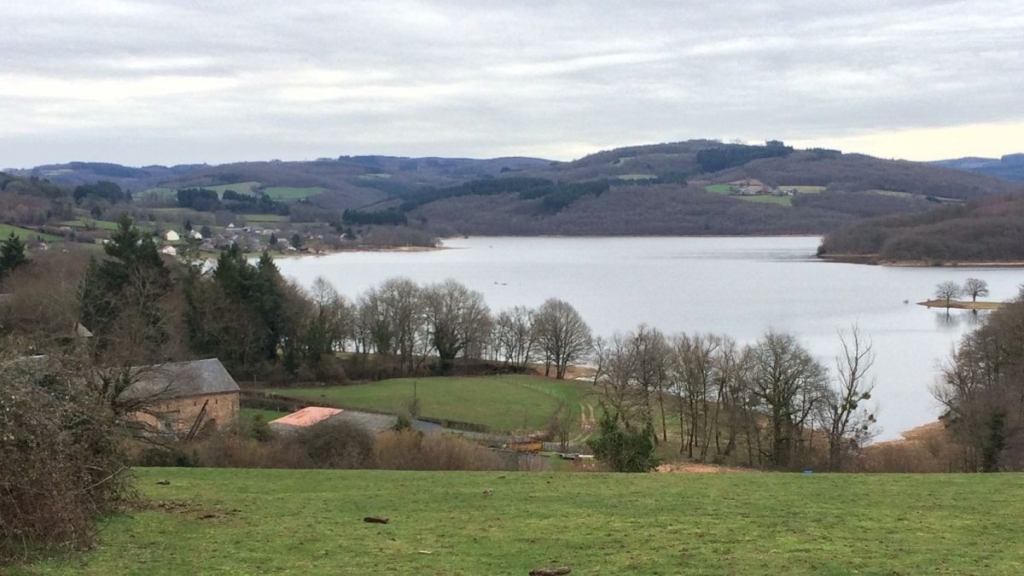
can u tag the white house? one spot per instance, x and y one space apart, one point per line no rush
171 236
169 250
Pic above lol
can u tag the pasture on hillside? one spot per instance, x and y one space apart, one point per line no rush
502 403
24 233
215 521
291 192
248 188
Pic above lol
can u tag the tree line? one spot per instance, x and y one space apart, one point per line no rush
767 404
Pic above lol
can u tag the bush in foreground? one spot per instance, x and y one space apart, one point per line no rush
60 449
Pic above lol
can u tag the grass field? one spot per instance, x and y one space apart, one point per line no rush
805 189
239 187
780 200
24 233
209 521
97 224
506 403
291 193
265 218
249 414
719 188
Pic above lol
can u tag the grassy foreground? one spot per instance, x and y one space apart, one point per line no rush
210 521
507 402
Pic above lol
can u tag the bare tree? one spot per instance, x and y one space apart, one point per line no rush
948 291
389 319
789 383
562 335
974 287
616 376
649 351
846 423
694 368
980 388
457 320
514 339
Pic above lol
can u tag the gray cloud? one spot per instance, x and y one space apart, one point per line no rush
219 80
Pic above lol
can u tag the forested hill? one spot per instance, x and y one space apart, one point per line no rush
983 230
1009 167
694 188
682 188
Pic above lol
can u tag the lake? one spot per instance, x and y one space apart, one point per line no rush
740 286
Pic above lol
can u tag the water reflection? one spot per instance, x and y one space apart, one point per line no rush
954 319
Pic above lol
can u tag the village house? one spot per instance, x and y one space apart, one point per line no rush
171 236
182 398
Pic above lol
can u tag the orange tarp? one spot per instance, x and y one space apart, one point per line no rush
307 416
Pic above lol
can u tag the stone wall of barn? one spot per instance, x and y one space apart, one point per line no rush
178 414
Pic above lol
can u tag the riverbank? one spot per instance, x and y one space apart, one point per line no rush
876 260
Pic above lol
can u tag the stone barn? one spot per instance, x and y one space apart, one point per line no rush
181 398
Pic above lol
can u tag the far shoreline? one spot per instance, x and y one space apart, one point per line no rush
874 260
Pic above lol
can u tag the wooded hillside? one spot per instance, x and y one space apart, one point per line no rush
983 230
682 188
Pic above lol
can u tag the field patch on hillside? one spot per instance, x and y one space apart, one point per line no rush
719 188
804 189
91 224
208 521
248 188
291 192
252 218
24 233
502 403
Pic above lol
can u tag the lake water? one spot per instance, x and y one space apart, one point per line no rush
736 286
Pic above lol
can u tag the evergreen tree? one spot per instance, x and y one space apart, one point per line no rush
129 282
622 448
12 254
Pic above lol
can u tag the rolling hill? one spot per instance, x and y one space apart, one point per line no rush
681 188
1009 167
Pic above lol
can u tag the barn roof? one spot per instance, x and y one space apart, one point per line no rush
181 380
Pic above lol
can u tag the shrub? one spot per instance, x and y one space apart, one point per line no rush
62 458
411 450
335 445
623 449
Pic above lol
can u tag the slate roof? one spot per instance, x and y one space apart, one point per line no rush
181 380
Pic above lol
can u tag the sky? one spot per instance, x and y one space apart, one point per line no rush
189 81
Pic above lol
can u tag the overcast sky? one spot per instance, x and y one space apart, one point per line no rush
181 81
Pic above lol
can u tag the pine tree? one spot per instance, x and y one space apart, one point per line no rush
12 254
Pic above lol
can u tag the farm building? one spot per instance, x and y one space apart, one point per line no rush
181 398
